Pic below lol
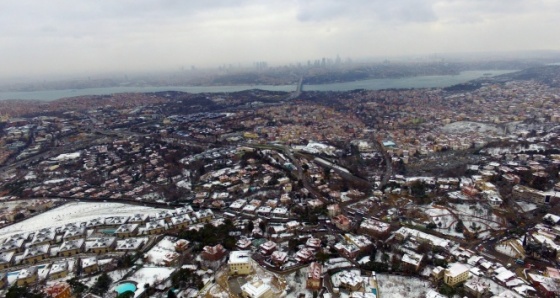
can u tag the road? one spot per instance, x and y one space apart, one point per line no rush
388 162
300 175
298 91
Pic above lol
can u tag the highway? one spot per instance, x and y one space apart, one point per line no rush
298 91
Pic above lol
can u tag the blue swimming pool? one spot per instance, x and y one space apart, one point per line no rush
125 287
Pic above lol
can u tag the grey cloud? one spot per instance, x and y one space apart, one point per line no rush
396 11
91 35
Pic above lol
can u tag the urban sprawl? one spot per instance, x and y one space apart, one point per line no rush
390 193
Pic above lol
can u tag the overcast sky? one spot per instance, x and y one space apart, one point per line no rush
40 37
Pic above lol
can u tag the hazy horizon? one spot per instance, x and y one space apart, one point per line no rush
67 38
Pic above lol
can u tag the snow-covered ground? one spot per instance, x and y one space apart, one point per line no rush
295 283
117 275
396 286
150 275
526 207
74 212
161 252
469 126
446 219
478 214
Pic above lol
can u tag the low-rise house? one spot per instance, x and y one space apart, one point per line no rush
181 221
116 221
313 243
34 254
71 247
44 236
476 287
333 210
95 223
305 255
293 225
256 289
546 286
181 245
362 242
163 215
351 280
204 215
89 265
346 249
127 230
58 270
59 290
76 233
185 209
404 233
138 219
279 258
6 259
264 210
375 228
524 193
101 245
27 277
156 227
342 222
279 212
243 244
130 244
3 279
249 209
213 253
437 273
13 244
411 261
314 276
493 198
267 248
238 204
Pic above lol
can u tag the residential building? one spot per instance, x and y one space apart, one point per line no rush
279 258
375 228
127 230
6 259
267 248
455 274
58 270
101 245
314 276
239 263
34 254
256 289
27 277
71 247
59 290
411 261
156 227
76 233
342 222
130 244
213 253
243 244
89 265
476 287
3 279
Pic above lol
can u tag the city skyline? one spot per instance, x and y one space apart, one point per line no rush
68 38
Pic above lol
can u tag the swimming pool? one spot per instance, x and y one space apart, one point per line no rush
125 287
